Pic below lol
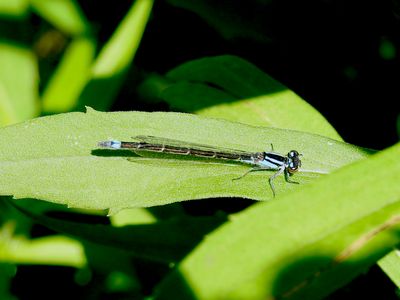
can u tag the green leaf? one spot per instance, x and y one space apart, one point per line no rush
303 246
56 159
118 52
231 73
390 264
82 80
65 15
231 88
18 84
108 71
164 241
15 8
52 250
70 77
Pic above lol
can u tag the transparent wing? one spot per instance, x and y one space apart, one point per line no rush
177 143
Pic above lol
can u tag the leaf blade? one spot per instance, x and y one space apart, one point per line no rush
18 84
64 15
62 164
231 88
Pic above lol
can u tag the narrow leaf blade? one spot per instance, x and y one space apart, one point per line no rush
18 84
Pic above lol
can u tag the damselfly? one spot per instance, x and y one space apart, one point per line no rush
286 164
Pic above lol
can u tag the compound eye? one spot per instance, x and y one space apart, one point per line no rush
293 153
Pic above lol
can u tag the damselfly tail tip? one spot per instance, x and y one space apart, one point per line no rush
104 144
109 144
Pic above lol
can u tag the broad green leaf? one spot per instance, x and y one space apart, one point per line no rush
164 241
15 8
70 77
114 59
240 92
56 159
303 246
18 84
65 15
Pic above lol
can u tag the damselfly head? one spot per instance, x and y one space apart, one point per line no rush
294 162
